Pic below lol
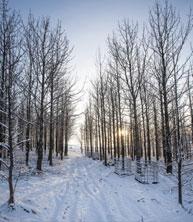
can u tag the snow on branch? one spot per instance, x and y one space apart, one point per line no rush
3 125
1 111
23 141
3 175
4 163
4 146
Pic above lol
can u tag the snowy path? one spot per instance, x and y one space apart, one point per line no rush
83 190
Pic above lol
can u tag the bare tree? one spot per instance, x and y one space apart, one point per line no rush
168 36
10 53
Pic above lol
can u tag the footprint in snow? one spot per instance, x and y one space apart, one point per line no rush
141 200
66 209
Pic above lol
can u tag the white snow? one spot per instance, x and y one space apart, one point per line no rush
79 189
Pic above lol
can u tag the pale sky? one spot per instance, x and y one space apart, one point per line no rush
88 23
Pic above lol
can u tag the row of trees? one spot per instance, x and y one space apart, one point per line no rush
37 90
141 102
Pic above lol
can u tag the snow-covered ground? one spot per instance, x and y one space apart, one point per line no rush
79 189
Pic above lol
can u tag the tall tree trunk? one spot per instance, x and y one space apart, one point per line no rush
57 129
10 139
66 133
28 110
28 131
157 148
41 123
62 141
137 146
167 130
144 128
51 119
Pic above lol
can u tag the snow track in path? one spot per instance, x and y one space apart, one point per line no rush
82 190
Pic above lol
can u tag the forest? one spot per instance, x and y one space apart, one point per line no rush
137 118
140 105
